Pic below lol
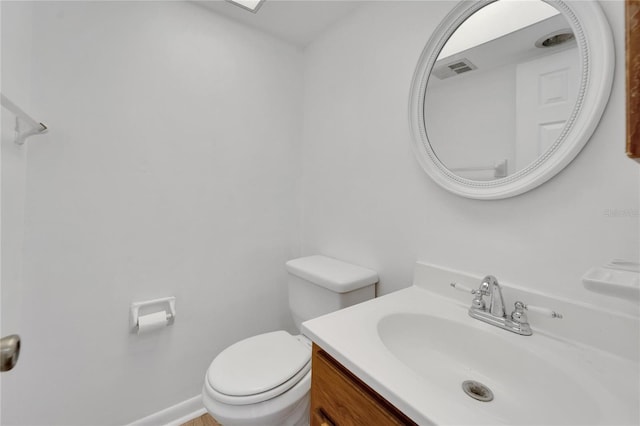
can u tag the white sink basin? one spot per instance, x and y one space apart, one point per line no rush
416 346
527 388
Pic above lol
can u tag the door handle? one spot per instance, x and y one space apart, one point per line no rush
9 352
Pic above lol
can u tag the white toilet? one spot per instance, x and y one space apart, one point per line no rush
265 380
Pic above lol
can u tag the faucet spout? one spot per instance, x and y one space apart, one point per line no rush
495 313
496 302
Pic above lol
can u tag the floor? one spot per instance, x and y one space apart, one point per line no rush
203 420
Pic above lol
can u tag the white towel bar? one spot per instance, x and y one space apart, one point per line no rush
34 127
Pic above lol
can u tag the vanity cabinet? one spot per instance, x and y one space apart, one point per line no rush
339 398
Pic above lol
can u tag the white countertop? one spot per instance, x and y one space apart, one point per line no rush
351 337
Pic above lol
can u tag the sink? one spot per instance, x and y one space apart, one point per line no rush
446 353
415 347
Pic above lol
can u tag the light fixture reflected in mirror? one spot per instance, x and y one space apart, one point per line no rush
556 38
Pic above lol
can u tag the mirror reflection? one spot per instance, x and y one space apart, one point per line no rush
502 89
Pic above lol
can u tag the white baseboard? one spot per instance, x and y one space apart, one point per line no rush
175 415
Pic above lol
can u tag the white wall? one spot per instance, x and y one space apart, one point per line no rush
16 85
366 199
488 134
169 169
172 168
15 75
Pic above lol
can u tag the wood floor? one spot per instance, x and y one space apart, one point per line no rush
203 420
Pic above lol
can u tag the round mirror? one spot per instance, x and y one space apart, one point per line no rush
507 92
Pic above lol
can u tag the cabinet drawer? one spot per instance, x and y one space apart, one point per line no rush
339 398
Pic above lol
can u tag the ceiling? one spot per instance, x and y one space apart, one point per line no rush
295 21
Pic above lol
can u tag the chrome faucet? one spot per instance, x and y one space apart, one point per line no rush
493 290
495 313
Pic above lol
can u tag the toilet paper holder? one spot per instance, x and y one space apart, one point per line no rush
167 303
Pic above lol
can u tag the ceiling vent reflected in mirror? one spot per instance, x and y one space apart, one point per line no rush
459 66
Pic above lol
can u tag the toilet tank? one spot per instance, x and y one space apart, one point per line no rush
319 285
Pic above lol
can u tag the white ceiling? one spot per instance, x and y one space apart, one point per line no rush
296 21
496 20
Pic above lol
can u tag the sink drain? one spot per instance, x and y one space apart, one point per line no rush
477 390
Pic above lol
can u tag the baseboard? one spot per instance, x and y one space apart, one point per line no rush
175 415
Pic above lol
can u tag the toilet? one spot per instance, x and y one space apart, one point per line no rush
265 379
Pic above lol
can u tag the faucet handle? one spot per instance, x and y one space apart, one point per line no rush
544 311
520 316
477 301
461 287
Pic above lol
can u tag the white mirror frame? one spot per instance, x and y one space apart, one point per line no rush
596 52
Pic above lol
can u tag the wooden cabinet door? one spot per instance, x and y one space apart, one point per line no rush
338 398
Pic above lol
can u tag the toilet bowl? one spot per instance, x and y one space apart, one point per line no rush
265 379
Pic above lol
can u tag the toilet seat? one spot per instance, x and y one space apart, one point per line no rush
258 368
288 409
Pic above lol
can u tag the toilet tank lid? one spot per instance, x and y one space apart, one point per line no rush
332 274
